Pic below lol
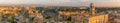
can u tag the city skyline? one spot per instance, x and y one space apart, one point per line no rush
99 3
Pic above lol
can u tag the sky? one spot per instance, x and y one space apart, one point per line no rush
98 3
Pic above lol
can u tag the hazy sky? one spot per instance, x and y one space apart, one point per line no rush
99 3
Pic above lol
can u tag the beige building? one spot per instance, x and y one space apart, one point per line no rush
92 18
99 18
103 18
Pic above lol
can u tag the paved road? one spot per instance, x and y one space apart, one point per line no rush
23 11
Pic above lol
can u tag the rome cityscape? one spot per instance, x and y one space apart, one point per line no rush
14 11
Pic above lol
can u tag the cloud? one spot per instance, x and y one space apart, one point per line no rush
84 0
107 0
55 1
58 2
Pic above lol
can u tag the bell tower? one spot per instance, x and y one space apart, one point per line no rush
92 6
